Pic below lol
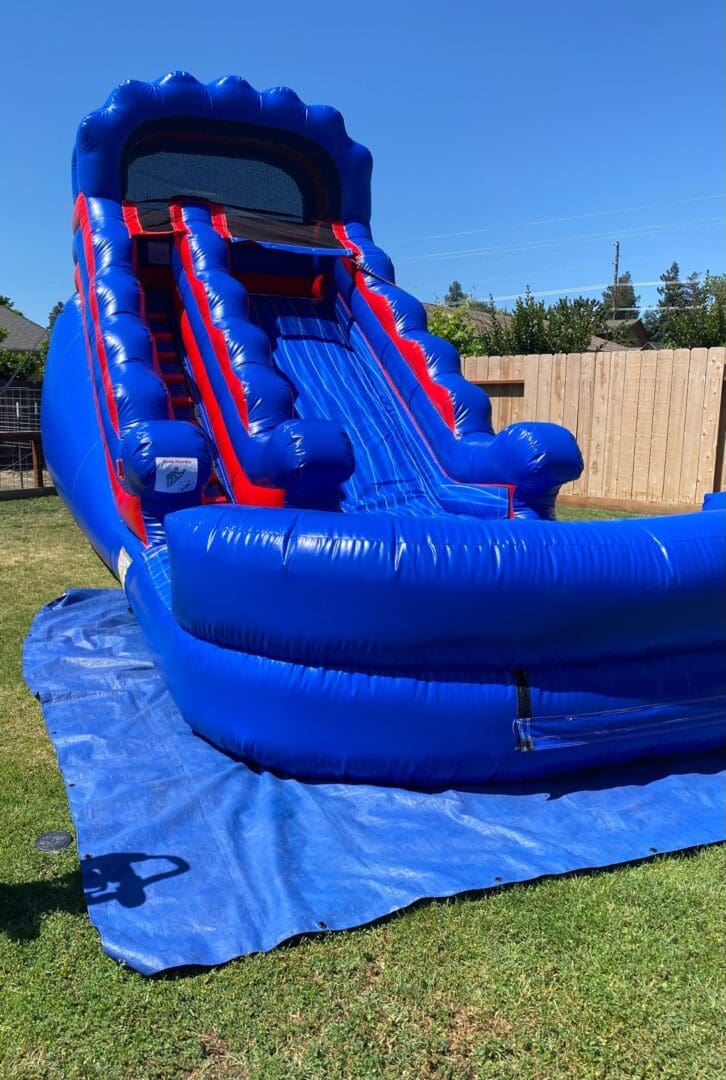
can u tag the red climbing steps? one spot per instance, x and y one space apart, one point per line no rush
181 393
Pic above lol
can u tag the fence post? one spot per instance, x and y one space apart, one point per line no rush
37 462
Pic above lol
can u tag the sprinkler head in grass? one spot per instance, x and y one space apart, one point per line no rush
55 840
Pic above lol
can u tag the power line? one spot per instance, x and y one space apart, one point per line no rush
590 288
656 307
647 230
570 217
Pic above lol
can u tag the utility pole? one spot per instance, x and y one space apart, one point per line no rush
616 275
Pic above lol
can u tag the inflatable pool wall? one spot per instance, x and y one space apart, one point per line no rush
341 570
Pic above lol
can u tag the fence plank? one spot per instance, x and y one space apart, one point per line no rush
599 424
571 397
557 391
474 368
712 403
626 442
618 360
482 369
661 423
692 426
676 425
573 390
531 381
644 425
544 386
584 417
495 372
505 415
517 371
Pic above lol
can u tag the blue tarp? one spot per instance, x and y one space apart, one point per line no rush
189 857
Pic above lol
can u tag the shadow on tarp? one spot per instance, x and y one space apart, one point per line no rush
115 877
260 859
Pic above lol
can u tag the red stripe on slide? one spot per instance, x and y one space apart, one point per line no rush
412 351
243 490
216 337
219 220
87 239
131 217
129 506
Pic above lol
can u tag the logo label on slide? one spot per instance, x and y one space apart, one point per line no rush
176 474
122 565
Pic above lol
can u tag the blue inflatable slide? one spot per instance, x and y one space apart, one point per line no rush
341 570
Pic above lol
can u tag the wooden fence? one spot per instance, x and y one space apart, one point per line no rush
22 467
651 425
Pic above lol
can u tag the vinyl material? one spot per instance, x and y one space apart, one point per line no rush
340 569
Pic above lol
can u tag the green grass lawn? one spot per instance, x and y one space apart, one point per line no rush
616 974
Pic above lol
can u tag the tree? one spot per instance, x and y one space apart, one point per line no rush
20 365
54 313
52 316
572 323
8 302
455 295
5 372
528 326
14 365
455 325
24 365
693 290
624 304
702 323
566 326
483 305
672 296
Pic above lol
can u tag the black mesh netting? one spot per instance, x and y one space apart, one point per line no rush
255 169
256 185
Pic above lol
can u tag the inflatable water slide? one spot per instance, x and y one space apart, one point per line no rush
341 570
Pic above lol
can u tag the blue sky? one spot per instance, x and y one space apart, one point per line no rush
513 142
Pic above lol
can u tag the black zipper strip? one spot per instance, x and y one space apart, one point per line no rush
524 706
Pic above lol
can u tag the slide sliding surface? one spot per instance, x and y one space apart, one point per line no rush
318 346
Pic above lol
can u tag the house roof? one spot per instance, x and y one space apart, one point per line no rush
633 328
23 334
600 344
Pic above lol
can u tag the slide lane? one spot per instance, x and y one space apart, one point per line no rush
318 346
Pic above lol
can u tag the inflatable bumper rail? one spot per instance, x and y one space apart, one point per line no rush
341 570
